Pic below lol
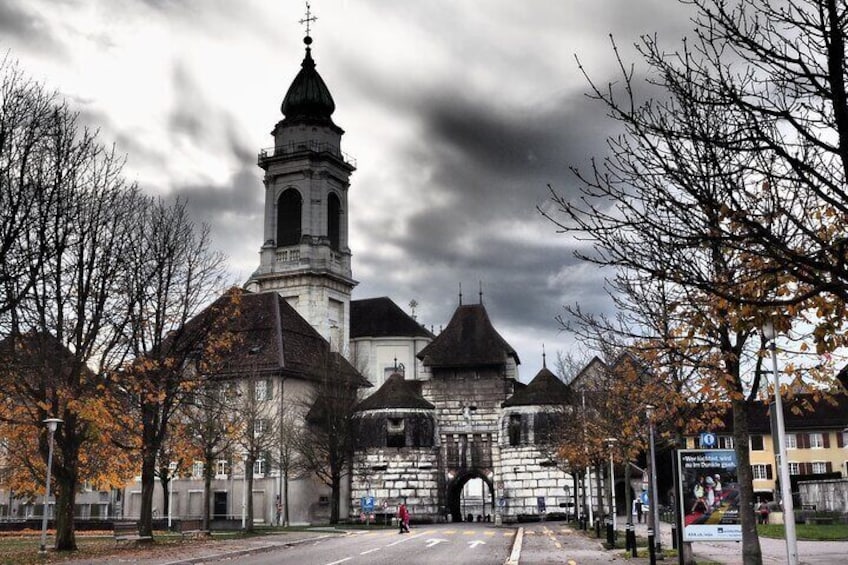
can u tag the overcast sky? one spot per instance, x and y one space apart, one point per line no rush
459 114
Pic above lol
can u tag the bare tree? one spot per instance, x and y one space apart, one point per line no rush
260 435
212 427
327 442
288 460
170 274
28 118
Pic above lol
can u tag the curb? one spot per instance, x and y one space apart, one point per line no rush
237 552
516 548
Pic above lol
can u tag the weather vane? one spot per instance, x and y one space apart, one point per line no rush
309 18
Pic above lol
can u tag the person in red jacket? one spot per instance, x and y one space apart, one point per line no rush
403 519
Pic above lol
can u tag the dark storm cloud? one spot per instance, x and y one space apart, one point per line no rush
239 196
27 28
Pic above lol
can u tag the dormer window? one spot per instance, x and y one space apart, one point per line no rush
395 432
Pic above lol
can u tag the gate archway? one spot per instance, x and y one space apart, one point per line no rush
455 488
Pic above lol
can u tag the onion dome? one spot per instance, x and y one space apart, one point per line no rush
308 98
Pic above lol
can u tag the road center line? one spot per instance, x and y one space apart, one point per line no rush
369 551
340 561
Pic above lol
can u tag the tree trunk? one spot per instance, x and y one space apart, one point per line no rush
599 485
249 520
66 473
628 499
65 502
335 496
148 483
751 552
207 491
165 481
286 497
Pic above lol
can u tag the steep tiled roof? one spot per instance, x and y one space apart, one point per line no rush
38 355
269 336
381 317
545 389
396 392
803 412
469 340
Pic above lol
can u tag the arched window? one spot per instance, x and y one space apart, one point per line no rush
334 211
289 207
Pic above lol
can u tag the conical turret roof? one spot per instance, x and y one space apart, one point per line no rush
396 392
544 390
469 340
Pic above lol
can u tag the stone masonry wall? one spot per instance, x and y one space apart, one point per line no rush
390 475
527 474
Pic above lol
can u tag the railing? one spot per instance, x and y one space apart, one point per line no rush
308 146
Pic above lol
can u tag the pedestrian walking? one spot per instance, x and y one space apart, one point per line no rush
639 510
403 519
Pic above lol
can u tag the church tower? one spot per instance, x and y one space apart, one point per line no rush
305 257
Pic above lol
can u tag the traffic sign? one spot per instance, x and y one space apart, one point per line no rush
708 439
367 504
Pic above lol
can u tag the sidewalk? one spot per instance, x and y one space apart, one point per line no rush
205 549
774 550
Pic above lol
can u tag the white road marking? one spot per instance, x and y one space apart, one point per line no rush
405 539
369 551
434 541
340 561
475 543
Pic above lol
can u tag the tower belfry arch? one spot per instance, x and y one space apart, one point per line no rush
305 256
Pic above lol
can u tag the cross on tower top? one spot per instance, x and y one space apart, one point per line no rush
308 19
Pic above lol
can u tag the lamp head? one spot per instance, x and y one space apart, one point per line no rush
768 330
52 424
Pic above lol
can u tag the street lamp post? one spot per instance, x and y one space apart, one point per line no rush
244 491
655 511
172 466
52 424
785 487
611 442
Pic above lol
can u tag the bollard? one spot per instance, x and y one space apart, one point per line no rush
610 535
627 529
633 549
597 528
652 551
674 536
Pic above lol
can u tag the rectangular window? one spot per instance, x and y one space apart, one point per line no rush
819 467
794 468
260 426
761 472
263 389
725 442
197 469
515 429
816 441
842 439
395 432
220 469
791 442
757 443
259 468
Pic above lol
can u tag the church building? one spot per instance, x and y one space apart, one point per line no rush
437 411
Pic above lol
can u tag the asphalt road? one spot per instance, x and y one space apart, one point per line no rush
462 544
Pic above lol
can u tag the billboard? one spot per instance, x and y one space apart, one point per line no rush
709 495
